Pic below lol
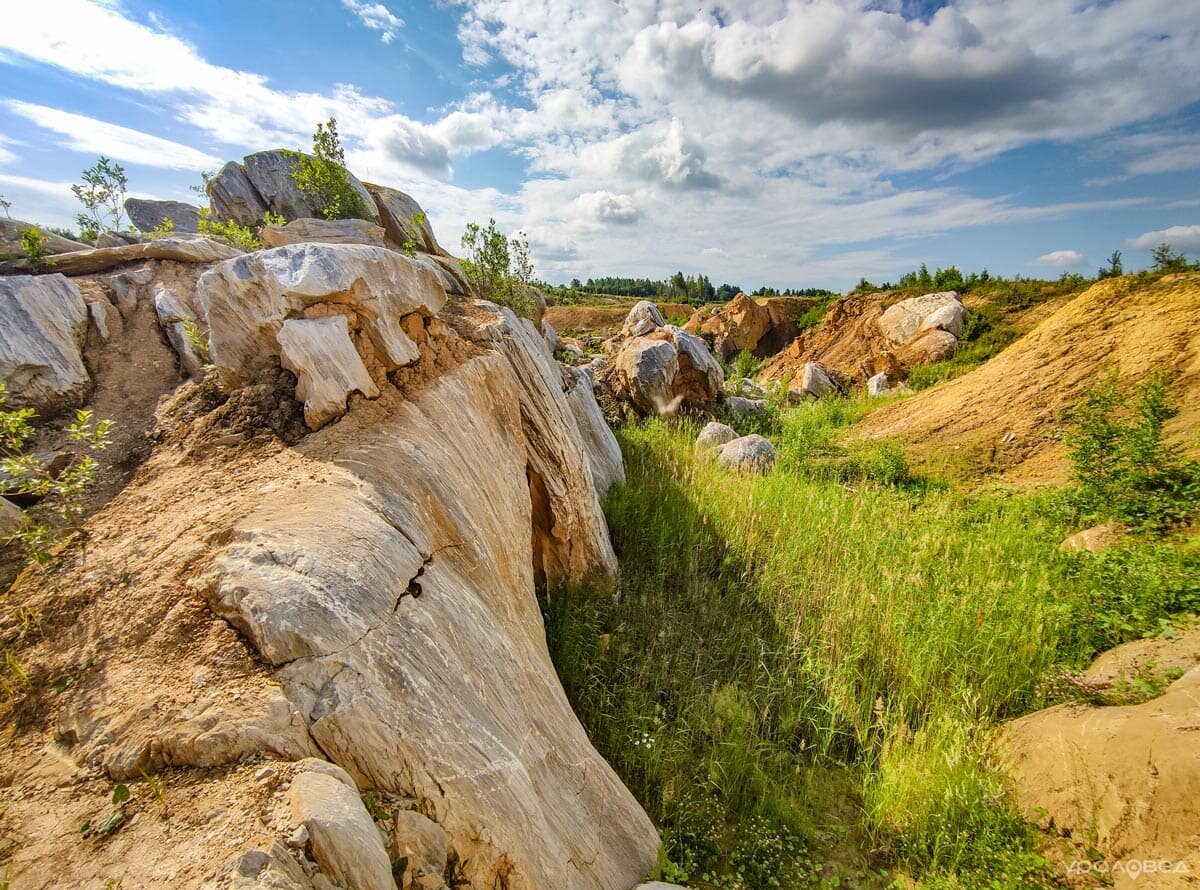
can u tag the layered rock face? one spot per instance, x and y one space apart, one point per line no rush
183 249
759 326
277 302
382 574
396 599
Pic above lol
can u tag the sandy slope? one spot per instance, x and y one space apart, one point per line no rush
1003 416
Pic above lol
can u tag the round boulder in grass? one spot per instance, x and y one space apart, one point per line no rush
714 435
750 453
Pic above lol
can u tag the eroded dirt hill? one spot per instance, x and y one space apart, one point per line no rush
1004 415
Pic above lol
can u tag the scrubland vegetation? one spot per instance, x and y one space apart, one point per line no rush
811 662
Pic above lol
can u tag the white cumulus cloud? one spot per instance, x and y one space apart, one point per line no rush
605 207
377 17
1179 237
1062 259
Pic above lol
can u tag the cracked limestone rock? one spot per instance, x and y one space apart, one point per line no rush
43 321
246 301
396 596
321 354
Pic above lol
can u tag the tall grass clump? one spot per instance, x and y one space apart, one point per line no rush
837 629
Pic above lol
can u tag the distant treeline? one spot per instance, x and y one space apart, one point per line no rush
681 288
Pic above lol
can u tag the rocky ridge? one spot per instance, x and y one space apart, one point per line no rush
354 613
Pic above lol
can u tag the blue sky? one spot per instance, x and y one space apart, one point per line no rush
802 143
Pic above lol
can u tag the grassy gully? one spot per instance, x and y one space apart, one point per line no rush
805 666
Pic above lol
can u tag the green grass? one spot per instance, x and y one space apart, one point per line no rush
806 664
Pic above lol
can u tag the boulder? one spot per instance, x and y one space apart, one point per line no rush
593 367
397 212
270 172
342 835
10 239
182 249
744 386
247 299
451 273
126 285
106 318
643 318
570 352
147 215
750 453
43 322
700 376
740 406
324 231
275 869
1097 538
538 299
645 372
930 346
715 435
174 317
233 197
119 239
660 372
421 841
903 322
740 325
599 444
877 386
328 369
816 380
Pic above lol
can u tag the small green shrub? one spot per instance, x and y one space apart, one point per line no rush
1167 260
1121 466
410 246
33 245
1127 593
239 236
743 364
323 179
196 337
102 193
814 315
164 229
60 498
498 267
